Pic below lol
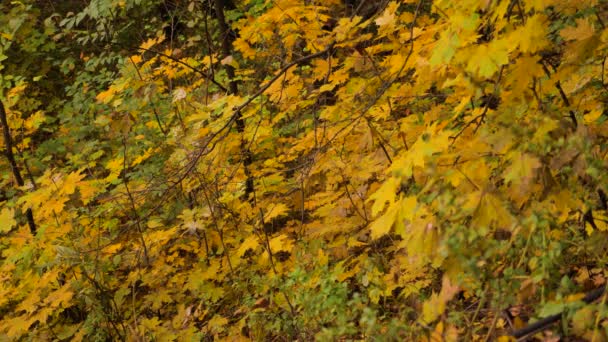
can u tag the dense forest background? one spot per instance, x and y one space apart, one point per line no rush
279 170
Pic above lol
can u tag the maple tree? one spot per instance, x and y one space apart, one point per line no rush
286 169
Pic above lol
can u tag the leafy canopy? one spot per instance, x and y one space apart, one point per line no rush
302 169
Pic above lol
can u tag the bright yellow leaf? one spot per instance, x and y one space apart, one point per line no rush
250 242
281 243
7 219
383 224
217 323
275 210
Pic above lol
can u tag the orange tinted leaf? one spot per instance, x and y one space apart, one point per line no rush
581 31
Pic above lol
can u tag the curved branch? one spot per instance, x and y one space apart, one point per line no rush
544 323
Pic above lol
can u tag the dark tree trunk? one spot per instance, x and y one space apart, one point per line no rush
227 36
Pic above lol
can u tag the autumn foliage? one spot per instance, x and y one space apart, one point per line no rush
303 170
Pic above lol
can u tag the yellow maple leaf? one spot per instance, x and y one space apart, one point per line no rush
136 59
523 168
106 96
382 225
435 306
533 35
592 116
276 210
144 156
89 189
524 70
7 219
492 212
250 242
386 193
339 76
445 48
408 208
69 183
582 31
17 326
30 303
115 166
35 120
388 16
61 296
150 324
150 43
211 272
217 323
596 220
432 308
487 59
244 48
432 141
53 206
281 243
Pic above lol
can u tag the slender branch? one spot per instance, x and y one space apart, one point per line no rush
271 258
363 214
545 322
8 152
521 12
603 71
140 229
219 231
380 139
210 49
492 327
562 93
279 74
558 85
160 125
478 120
599 19
188 66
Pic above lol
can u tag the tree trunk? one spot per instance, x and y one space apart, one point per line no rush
227 36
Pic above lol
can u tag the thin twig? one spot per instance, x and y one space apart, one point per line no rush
160 125
562 93
125 182
271 258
